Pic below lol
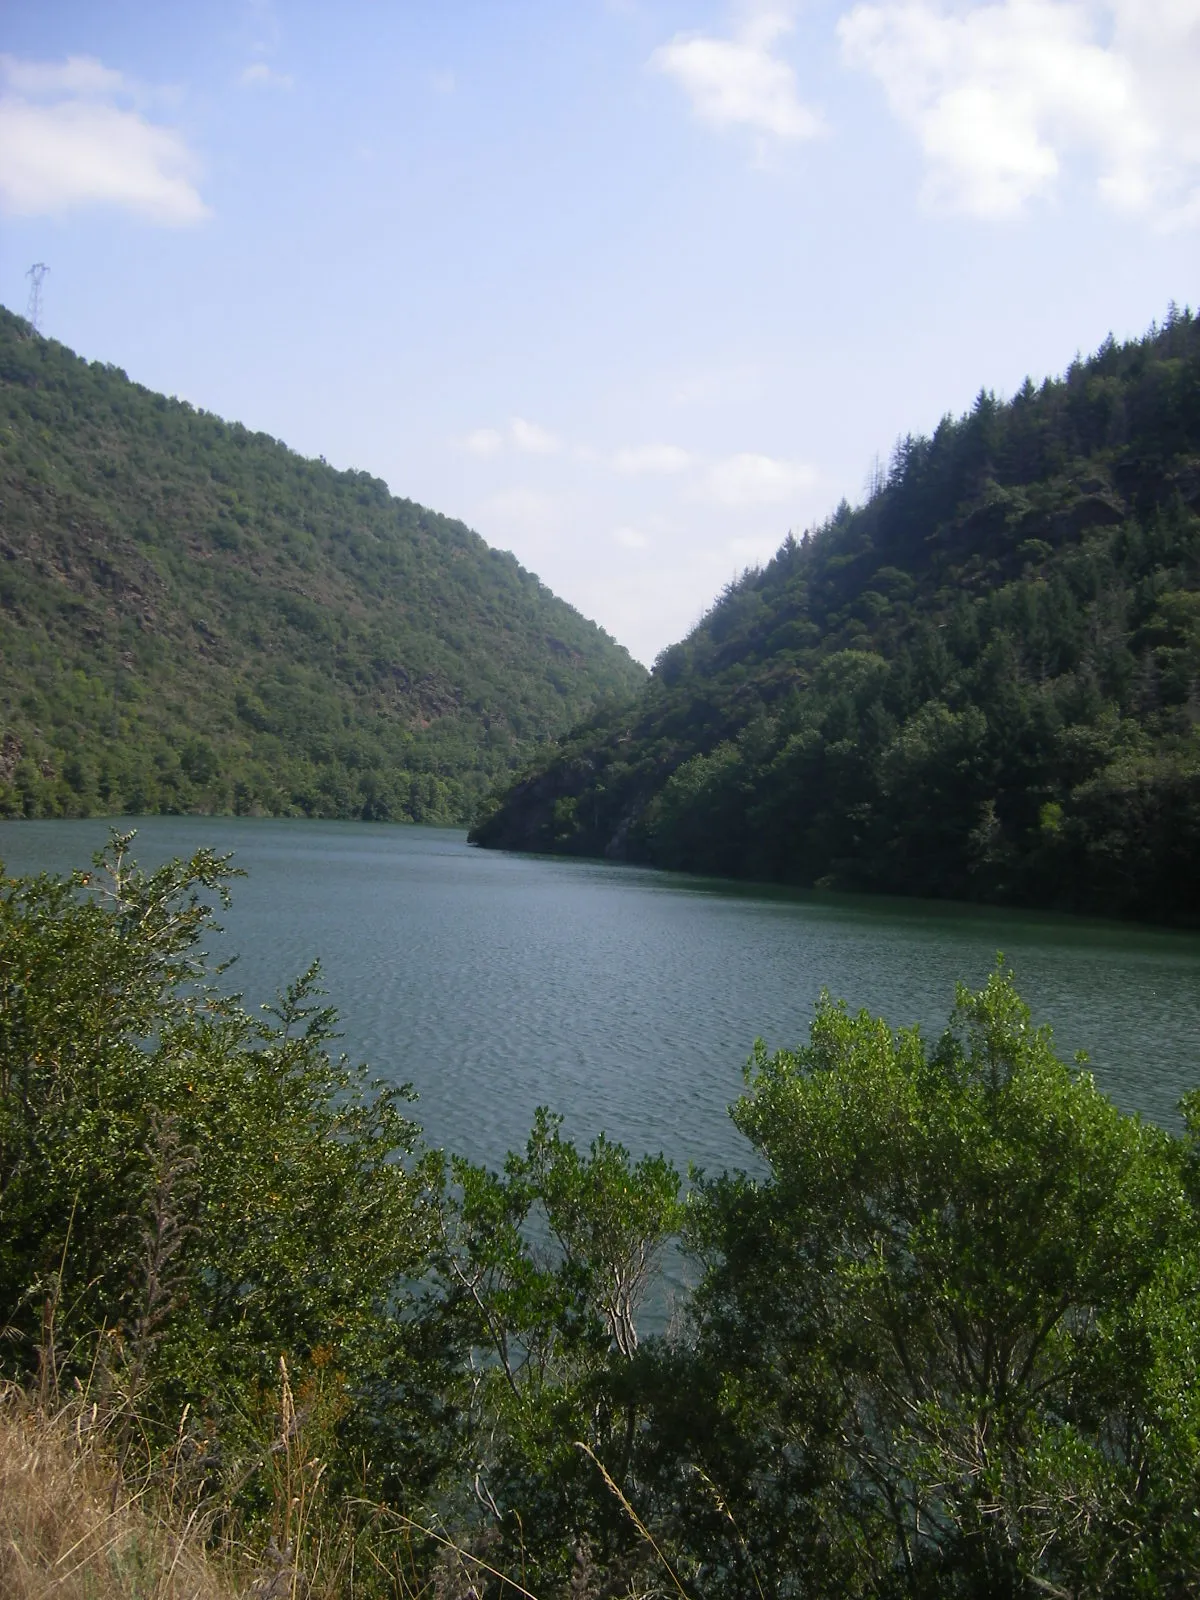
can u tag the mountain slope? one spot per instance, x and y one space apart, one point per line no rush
192 617
984 683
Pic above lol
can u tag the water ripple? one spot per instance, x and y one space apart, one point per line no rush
628 999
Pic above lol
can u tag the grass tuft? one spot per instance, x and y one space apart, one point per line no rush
71 1530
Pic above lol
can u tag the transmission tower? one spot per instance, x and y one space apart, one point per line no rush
36 276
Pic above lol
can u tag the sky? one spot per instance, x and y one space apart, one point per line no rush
633 287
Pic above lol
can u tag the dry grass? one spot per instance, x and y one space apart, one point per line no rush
70 1530
73 1527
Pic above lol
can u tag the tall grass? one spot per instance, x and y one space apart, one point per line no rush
76 1524
72 1529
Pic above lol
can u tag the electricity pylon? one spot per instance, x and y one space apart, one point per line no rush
36 276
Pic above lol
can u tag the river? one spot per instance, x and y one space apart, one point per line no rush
625 998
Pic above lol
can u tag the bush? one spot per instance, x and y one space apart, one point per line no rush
189 1192
950 1344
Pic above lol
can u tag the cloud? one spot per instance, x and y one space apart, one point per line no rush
1000 95
530 438
630 539
260 75
657 459
484 442
738 483
77 75
66 141
747 480
522 435
740 81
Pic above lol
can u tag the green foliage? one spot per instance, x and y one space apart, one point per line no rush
189 1192
549 1262
949 1344
193 618
983 683
944 1340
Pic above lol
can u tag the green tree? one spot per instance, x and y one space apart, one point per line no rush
247 630
189 1192
548 1264
1009 622
949 1342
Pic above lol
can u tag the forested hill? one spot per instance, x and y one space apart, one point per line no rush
192 617
983 683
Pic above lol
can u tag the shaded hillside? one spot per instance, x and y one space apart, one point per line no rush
984 683
195 618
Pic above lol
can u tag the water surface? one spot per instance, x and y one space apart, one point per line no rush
626 998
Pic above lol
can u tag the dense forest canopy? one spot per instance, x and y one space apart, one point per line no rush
195 618
982 683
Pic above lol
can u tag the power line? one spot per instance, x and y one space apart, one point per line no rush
36 276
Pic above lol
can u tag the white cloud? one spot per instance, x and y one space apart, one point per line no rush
656 459
527 437
77 75
740 81
747 480
532 439
65 142
259 75
55 158
484 442
630 538
1000 95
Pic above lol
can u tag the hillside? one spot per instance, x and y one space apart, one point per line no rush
193 617
983 683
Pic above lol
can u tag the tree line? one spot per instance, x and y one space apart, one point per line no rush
193 618
983 683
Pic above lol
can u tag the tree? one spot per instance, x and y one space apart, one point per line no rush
954 1325
548 1265
189 1192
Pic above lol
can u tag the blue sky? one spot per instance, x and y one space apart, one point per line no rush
632 288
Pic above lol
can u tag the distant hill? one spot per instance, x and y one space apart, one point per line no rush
984 683
192 617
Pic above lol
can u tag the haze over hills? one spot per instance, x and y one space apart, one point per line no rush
983 683
195 618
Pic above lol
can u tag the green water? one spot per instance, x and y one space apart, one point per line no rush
630 999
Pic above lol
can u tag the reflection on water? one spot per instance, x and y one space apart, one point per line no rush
629 999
